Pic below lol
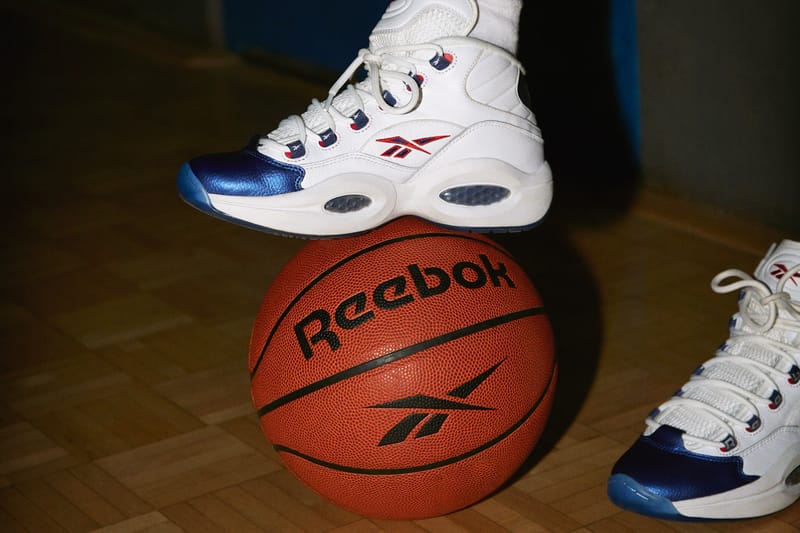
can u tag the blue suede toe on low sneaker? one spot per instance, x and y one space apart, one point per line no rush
246 173
658 471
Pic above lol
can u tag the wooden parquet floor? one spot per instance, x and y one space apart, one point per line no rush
125 315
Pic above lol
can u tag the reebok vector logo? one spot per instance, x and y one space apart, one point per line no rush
436 410
401 147
779 270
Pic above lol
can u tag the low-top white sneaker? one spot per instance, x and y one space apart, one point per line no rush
727 445
441 128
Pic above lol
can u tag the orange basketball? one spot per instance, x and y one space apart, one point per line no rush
405 373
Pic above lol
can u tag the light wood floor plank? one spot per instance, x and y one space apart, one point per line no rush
188 465
151 523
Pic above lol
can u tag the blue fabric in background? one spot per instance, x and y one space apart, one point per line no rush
625 58
322 34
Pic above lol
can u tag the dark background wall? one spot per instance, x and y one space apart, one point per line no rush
197 22
322 34
720 83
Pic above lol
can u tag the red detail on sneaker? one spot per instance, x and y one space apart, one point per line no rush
391 151
416 144
779 271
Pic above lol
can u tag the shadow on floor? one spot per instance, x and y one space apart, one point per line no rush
573 305
567 54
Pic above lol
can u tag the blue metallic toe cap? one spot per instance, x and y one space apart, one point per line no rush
245 173
191 190
660 465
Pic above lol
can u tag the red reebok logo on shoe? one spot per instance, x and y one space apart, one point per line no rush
779 270
402 147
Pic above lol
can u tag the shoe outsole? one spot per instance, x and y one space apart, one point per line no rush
192 192
627 493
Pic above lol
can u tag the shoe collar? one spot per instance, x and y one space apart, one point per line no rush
407 22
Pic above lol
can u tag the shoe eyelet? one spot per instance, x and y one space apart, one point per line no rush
729 443
296 150
419 78
389 98
794 375
360 120
753 424
775 399
327 138
441 62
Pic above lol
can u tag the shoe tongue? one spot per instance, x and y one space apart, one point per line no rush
422 21
773 268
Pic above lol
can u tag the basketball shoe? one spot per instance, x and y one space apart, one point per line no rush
440 128
727 444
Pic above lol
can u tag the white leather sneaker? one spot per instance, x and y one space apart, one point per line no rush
441 128
727 445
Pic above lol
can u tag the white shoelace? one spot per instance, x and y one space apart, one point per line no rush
728 393
384 66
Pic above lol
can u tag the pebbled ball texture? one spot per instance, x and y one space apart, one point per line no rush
405 373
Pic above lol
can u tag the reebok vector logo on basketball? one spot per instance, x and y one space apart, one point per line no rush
403 429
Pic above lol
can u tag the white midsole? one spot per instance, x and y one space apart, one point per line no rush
303 212
767 495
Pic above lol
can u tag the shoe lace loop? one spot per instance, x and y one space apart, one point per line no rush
728 393
383 66
768 300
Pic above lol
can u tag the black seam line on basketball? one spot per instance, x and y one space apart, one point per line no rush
429 466
350 258
397 355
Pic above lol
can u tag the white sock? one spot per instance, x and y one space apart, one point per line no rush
498 23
